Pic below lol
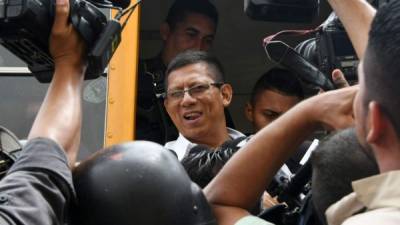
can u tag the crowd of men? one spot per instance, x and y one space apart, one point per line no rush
354 171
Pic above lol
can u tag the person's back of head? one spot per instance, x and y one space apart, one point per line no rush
382 63
338 161
137 183
180 8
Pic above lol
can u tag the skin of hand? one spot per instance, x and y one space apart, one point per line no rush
60 114
243 179
268 201
339 79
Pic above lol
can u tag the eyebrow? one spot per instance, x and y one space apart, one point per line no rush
193 29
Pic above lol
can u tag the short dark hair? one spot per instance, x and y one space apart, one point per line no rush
382 62
179 9
338 161
280 80
193 57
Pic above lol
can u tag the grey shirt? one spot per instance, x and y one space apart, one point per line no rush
37 189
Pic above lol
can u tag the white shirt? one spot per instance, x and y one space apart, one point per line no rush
181 146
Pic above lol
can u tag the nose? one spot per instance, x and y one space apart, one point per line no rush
198 45
187 99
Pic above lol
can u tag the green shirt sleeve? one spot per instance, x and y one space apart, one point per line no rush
252 220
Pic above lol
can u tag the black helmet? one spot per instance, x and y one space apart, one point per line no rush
138 183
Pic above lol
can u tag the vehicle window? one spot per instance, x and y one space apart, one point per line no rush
21 97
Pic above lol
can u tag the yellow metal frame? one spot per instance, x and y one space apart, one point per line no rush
122 79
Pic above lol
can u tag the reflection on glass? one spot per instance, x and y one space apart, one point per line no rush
20 101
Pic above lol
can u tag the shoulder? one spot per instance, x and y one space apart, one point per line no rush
45 155
387 216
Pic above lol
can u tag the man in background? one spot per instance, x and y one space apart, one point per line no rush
274 93
189 25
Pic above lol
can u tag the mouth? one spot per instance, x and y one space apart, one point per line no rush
192 116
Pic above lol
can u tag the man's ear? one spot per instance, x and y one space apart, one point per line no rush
164 31
227 92
377 123
248 111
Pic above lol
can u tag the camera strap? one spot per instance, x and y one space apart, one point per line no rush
270 38
286 56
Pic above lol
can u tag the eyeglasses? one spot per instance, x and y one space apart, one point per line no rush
195 91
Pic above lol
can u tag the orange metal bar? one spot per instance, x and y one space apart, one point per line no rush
122 77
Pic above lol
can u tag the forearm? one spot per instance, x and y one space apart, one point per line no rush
246 175
59 117
243 179
356 16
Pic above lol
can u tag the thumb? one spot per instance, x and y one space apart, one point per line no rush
339 80
60 24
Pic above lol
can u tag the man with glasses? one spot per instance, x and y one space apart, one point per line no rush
195 100
189 25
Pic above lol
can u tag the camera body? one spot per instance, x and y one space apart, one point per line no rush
295 11
331 49
335 51
25 27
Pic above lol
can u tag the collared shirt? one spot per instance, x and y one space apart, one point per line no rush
379 195
181 146
252 220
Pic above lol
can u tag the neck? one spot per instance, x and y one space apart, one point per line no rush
388 157
214 139
165 58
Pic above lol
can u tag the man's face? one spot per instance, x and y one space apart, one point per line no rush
359 109
196 115
195 32
268 106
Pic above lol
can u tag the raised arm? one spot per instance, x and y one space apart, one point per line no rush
60 114
242 180
356 16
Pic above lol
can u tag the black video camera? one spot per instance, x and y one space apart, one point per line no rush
314 59
25 27
295 11
331 49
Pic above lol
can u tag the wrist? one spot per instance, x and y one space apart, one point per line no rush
77 67
312 113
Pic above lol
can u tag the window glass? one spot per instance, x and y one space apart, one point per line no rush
21 97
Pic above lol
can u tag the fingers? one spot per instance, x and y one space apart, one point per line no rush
268 201
60 24
339 80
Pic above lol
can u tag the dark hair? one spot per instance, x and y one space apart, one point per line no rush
189 57
382 62
180 8
337 162
280 80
